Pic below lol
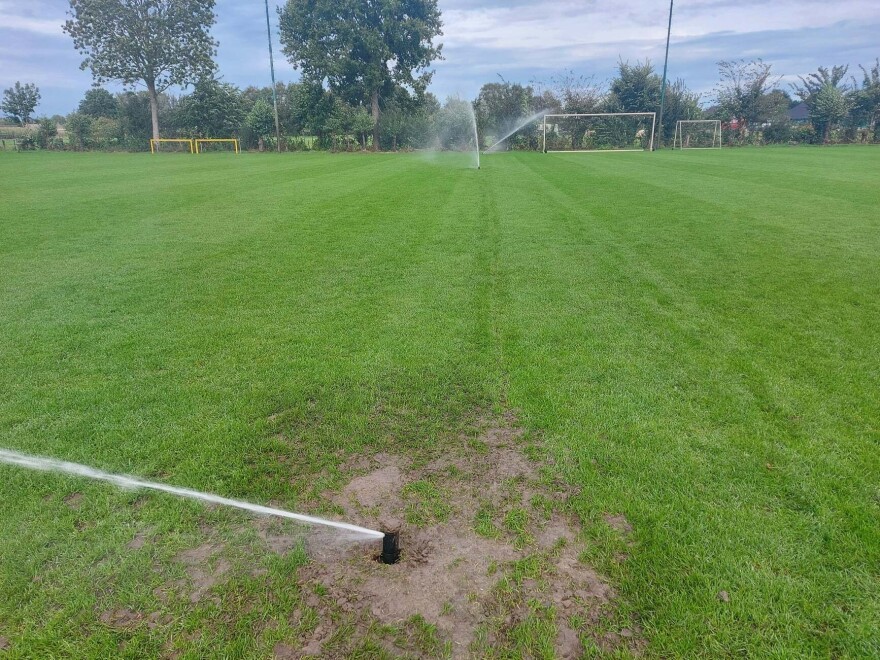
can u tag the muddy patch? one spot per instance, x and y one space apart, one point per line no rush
205 569
74 500
375 488
4 644
138 542
619 523
122 619
489 549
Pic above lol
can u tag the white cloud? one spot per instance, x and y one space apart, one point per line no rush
41 26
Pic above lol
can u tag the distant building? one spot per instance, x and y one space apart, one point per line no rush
799 114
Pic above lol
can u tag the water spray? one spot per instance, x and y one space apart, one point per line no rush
522 124
54 465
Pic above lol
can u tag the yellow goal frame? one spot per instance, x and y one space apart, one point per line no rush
201 141
154 144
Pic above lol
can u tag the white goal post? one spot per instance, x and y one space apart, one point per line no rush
599 132
697 134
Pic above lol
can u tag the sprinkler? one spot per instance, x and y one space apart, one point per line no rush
390 547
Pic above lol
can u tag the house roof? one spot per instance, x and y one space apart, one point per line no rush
800 112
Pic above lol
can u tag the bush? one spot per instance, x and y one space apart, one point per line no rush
778 133
79 129
105 133
298 143
803 134
47 130
27 143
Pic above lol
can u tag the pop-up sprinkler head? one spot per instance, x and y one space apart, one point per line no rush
390 547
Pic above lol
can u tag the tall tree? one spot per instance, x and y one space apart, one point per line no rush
635 89
866 99
577 93
500 106
741 91
98 102
79 128
261 121
363 48
213 110
20 101
159 43
825 96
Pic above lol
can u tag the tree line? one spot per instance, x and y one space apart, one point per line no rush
365 74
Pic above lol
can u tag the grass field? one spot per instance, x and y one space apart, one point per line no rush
692 339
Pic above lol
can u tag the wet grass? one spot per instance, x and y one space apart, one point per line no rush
694 335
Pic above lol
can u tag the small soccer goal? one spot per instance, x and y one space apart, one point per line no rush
178 145
697 134
599 132
229 145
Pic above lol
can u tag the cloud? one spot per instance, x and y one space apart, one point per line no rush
523 40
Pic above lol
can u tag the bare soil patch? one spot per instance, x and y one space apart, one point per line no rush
74 500
489 549
121 619
205 569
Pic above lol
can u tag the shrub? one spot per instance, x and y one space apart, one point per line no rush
105 133
803 134
79 128
47 130
778 133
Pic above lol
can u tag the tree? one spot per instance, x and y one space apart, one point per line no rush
500 105
214 109
741 91
364 49
98 102
261 120
825 97
455 124
79 127
20 101
311 107
577 93
866 99
135 125
362 124
46 133
635 89
159 43
681 103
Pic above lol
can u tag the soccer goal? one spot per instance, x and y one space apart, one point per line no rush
599 132
697 134
217 144
173 144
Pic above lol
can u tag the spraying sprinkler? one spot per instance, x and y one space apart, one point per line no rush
390 547
53 465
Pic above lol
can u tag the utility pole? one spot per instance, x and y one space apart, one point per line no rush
665 67
272 68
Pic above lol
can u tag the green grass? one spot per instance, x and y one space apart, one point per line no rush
695 336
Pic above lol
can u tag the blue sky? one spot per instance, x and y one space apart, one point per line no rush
522 40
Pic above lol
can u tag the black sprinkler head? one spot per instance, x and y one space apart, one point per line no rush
390 548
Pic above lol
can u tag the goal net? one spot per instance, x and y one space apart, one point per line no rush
208 145
697 134
611 131
172 145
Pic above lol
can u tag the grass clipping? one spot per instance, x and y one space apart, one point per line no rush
490 560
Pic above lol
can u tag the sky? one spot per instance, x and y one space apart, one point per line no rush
519 40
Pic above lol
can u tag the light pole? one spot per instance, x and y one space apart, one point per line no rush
665 66
272 69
